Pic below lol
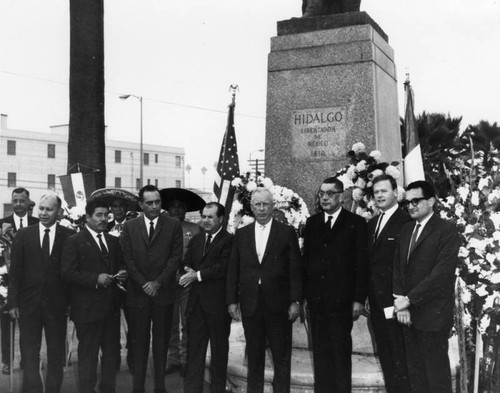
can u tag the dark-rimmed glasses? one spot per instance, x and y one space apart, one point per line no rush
414 202
329 194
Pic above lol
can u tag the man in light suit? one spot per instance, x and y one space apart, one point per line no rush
92 264
205 264
152 249
336 268
424 283
383 237
20 201
38 297
264 281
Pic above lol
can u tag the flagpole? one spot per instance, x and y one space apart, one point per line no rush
232 105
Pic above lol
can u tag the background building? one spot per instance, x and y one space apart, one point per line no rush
35 160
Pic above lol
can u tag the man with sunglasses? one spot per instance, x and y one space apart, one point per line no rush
423 284
336 268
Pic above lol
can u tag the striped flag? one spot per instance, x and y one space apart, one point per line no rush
228 165
77 187
413 165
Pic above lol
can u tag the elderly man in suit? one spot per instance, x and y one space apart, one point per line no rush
383 237
205 264
92 264
424 283
336 268
20 201
152 249
38 297
265 278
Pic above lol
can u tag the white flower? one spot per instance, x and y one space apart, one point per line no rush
466 318
357 194
496 236
450 200
246 220
401 193
478 244
463 192
236 182
459 210
484 323
490 257
483 182
360 183
351 172
358 147
481 291
392 171
361 166
375 173
475 198
287 193
468 229
267 183
495 217
376 155
495 279
3 269
466 296
3 292
463 252
251 186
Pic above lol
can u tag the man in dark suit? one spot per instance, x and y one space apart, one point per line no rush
119 209
20 201
205 264
383 237
424 289
336 267
92 264
38 297
152 249
265 278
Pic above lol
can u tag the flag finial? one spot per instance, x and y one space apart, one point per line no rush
234 89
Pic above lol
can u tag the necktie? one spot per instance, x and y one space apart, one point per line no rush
207 244
151 230
260 242
104 250
21 223
328 223
413 239
378 227
46 245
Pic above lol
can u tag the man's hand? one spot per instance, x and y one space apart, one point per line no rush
367 307
121 275
404 317
14 313
400 303
293 311
234 311
357 310
104 279
151 288
189 277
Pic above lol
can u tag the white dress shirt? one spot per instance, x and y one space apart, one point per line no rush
17 221
261 237
94 235
387 215
147 221
334 217
52 234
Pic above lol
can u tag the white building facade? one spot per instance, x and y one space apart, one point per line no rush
35 160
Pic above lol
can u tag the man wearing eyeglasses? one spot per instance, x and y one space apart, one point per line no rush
423 284
335 263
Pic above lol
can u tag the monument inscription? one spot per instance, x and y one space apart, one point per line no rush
318 134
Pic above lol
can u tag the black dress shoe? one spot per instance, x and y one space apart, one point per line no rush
6 369
173 368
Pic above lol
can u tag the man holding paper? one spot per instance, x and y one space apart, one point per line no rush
383 236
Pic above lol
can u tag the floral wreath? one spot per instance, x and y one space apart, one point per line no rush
6 239
289 206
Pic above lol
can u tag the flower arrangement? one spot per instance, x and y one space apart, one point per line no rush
73 218
6 239
358 175
289 206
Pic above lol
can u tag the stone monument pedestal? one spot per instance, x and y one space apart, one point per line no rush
331 83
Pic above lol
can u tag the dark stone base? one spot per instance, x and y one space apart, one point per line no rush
305 25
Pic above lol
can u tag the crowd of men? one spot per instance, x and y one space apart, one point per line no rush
399 266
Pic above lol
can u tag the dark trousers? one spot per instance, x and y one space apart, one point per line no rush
202 327
427 360
332 349
6 334
103 335
141 319
177 348
391 351
30 340
278 331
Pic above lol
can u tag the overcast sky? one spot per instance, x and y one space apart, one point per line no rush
181 56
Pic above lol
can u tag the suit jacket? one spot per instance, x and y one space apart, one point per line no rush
381 255
31 279
82 262
338 258
212 266
10 220
148 262
280 271
427 277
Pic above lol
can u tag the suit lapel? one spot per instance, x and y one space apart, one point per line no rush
394 218
426 231
338 224
272 234
251 239
143 230
93 244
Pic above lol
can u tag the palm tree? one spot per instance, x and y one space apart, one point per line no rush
86 143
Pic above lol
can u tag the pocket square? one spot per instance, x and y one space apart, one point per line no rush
391 238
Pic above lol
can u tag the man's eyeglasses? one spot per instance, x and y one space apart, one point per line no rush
329 194
414 202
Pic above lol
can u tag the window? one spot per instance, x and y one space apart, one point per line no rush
149 182
177 161
178 183
118 182
156 183
118 156
11 179
51 181
146 158
156 158
11 148
51 150
137 184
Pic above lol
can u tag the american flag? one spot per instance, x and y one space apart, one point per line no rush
228 165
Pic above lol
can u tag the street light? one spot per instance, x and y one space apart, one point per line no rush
141 147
